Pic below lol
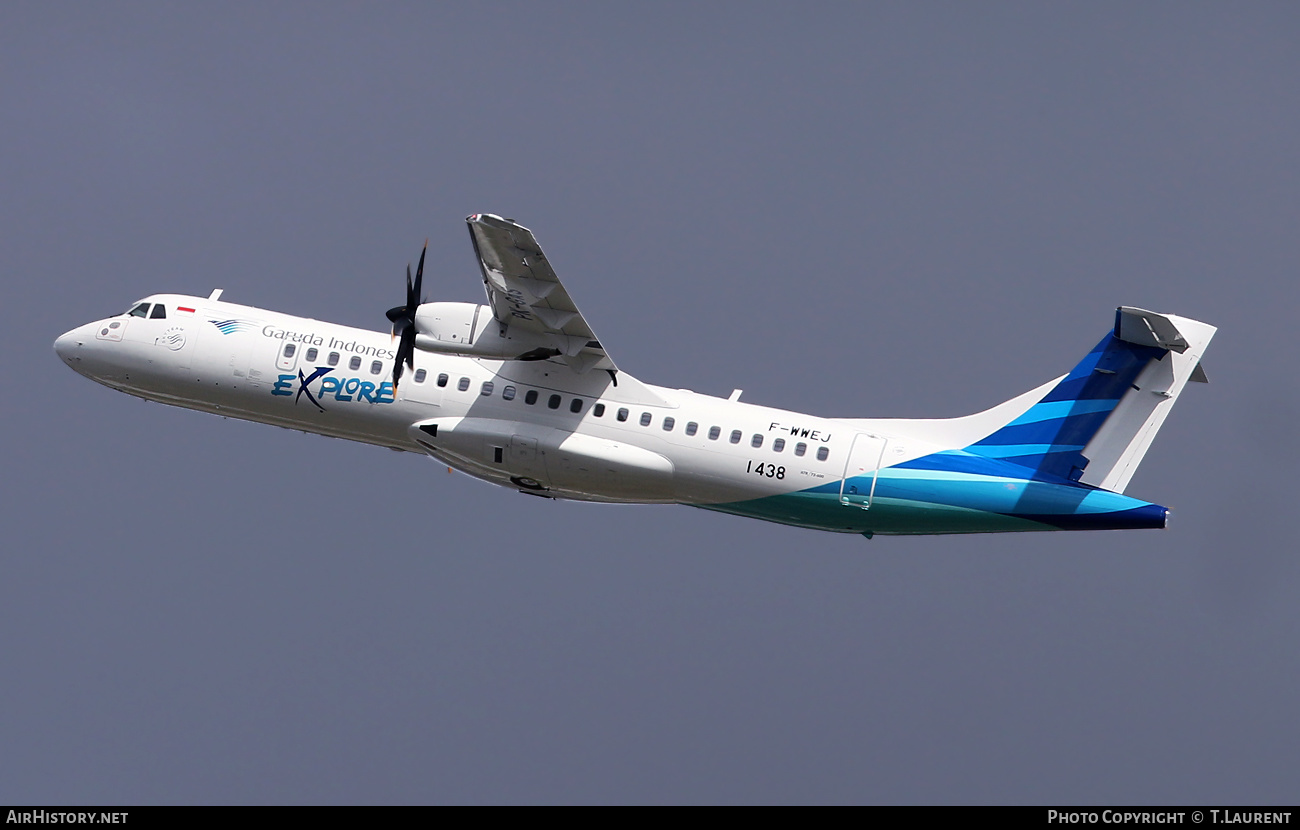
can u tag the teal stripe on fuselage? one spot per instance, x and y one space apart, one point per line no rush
910 501
997 494
823 511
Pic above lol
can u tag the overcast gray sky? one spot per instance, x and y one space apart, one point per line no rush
911 209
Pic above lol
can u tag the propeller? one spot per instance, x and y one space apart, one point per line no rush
403 319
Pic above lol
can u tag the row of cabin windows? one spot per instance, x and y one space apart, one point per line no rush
354 363
598 411
508 392
715 432
575 406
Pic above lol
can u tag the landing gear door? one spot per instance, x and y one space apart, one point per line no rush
858 487
526 464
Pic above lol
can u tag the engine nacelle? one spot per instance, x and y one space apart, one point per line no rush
470 329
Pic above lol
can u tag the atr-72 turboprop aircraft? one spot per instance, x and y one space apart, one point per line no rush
520 392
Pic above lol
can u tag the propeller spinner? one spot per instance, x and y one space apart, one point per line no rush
403 319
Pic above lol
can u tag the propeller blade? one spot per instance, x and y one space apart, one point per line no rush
405 354
403 319
413 296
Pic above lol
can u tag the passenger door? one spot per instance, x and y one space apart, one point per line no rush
858 486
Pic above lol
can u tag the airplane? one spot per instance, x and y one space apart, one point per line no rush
520 392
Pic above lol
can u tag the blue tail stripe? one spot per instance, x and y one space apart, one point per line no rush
1063 422
1061 409
1064 459
1050 431
1009 451
961 461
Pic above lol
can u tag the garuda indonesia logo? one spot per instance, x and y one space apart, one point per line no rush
232 326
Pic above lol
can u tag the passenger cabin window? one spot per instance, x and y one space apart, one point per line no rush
735 436
575 405
442 379
714 432
778 445
333 359
508 393
376 366
622 414
692 428
669 423
800 448
420 375
486 389
159 312
645 419
355 363
598 410
756 441
462 384
531 397
311 354
553 402
823 453
142 310
289 349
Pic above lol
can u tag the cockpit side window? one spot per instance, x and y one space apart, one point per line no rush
159 312
142 310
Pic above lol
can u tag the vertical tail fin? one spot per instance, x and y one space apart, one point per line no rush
1096 424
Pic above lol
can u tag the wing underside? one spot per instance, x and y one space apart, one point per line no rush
525 294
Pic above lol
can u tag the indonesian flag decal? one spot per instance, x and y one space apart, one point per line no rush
180 309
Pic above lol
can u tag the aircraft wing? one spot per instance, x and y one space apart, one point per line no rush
524 292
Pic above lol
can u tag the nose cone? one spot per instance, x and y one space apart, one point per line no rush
76 347
66 346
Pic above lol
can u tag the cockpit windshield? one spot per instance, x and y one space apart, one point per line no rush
142 310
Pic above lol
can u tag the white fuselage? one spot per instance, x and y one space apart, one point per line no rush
534 426
546 428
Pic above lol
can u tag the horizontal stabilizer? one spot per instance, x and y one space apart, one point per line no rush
1146 328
